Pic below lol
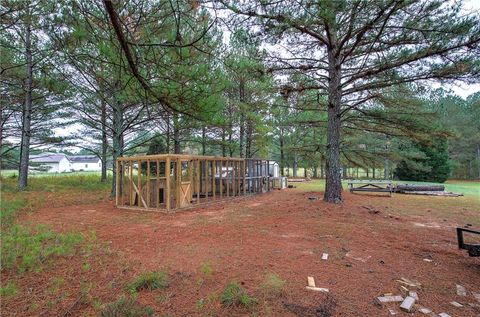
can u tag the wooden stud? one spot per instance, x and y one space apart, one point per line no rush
234 187
239 170
167 183
157 187
244 179
148 183
221 180
228 177
198 181
205 176
213 179
130 167
139 181
178 182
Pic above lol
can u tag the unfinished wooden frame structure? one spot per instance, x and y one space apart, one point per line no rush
168 182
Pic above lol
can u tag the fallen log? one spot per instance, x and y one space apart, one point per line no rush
418 188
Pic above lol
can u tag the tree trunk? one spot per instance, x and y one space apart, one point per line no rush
333 184
230 139
373 172
295 165
282 154
176 135
117 142
27 113
367 171
224 146
204 140
248 141
242 118
315 171
168 134
305 175
104 141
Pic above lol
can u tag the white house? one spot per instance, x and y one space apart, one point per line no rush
85 163
50 163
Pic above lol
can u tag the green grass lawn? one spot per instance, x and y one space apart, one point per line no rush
468 188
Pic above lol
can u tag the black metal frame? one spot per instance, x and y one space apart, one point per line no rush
473 249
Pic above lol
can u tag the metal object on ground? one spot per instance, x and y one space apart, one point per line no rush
371 186
473 249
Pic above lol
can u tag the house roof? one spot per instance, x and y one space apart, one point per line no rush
84 159
47 158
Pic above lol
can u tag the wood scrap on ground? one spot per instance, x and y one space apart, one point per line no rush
456 304
311 285
409 283
461 290
389 299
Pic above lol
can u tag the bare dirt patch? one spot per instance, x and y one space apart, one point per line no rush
282 232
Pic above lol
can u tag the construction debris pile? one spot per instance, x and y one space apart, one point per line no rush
409 300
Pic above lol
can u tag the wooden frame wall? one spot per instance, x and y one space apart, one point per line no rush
168 182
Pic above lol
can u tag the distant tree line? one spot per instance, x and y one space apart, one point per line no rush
324 86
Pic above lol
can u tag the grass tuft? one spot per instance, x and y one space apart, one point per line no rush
126 307
273 285
149 281
234 295
207 269
24 249
10 289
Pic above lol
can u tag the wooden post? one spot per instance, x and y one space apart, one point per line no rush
268 175
228 178
157 187
234 187
205 170
198 181
213 178
139 181
178 183
239 175
117 181
130 194
148 183
221 179
167 183
244 179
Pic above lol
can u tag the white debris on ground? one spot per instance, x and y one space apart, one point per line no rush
410 303
311 285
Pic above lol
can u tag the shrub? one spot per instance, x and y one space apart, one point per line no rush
126 307
273 285
234 295
149 281
26 249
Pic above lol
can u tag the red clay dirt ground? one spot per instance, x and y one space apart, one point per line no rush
371 240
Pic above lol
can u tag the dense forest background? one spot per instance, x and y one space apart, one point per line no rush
186 80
